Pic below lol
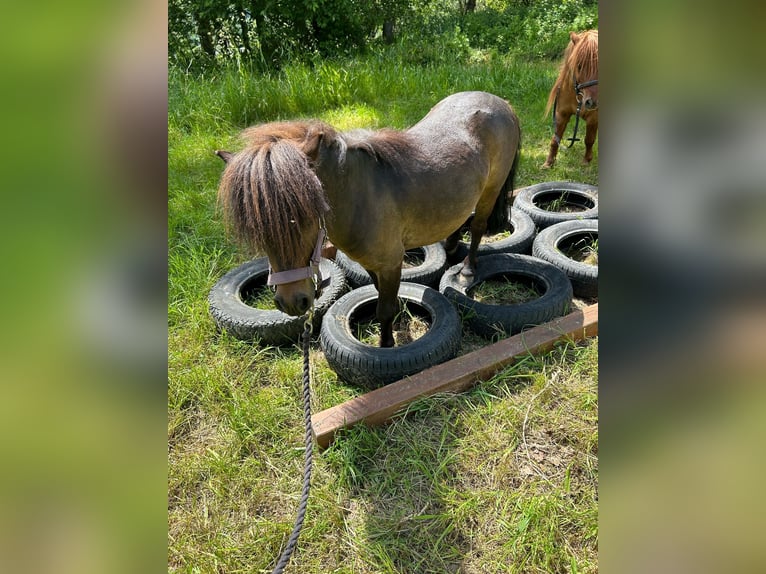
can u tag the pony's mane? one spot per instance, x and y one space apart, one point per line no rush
583 54
387 146
392 148
268 191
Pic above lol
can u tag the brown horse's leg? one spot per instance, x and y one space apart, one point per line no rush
562 119
590 138
478 228
450 246
388 304
374 278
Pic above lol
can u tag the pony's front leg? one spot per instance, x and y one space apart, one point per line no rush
591 127
561 125
388 304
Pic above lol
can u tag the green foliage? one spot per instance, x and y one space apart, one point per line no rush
267 34
531 29
550 21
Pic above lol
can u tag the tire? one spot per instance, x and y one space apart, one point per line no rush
270 327
519 241
427 273
372 367
582 195
490 320
548 246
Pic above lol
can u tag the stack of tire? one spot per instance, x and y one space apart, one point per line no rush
533 252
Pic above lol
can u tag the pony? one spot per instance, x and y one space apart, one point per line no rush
575 92
374 194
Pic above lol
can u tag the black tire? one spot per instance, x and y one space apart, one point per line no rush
270 327
372 367
550 242
519 241
427 273
580 195
490 320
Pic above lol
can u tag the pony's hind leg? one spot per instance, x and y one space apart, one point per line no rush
561 125
478 229
450 246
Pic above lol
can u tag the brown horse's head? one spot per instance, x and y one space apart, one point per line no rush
581 58
273 202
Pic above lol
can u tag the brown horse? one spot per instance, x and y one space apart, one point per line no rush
576 92
376 193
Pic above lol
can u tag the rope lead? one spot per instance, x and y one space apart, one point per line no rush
287 553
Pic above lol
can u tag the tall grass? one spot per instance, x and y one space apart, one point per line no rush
500 479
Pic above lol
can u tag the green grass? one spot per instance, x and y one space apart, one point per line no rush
583 248
499 479
508 291
408 326
560 203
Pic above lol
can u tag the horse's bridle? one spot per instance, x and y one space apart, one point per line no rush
311 271
578 88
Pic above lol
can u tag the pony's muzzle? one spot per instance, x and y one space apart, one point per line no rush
294 304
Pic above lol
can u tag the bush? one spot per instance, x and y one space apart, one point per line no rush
268 35
534 29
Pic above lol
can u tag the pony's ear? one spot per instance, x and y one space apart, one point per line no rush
574 36
224 155
312 144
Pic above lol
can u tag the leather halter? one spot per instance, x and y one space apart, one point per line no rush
578 97
588 84
311 271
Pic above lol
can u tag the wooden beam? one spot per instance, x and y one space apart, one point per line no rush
456 375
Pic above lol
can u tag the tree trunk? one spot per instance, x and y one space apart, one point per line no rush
388 31
205 32
245 33
470 5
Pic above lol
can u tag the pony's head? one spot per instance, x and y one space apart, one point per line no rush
273 202
581 57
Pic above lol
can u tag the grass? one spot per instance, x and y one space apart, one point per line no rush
560 203
260 297
582 247
413 258
505 291
499 479
466 237
409 326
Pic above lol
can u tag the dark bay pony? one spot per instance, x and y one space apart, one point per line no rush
576 92
375 193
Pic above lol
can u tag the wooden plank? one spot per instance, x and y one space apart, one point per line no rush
377 406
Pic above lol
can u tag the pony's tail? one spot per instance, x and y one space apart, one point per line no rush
498 219
552 97
559 79
556 86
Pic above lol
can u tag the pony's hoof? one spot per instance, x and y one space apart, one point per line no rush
547 165
467 271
